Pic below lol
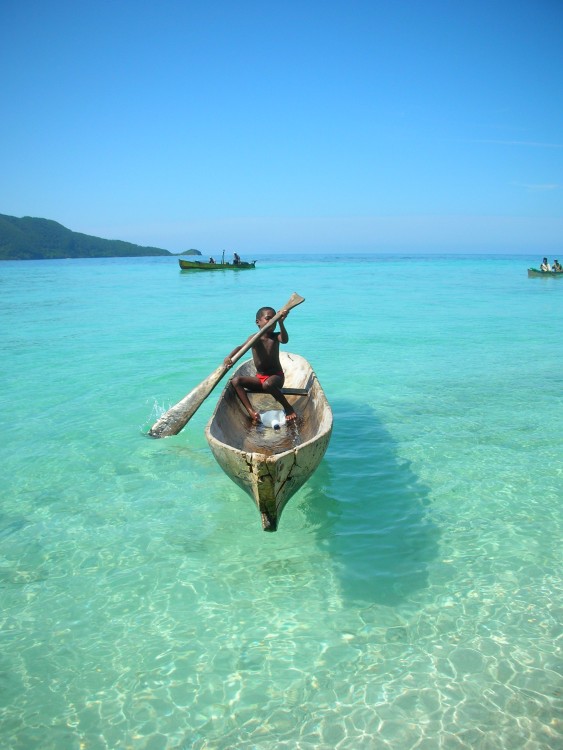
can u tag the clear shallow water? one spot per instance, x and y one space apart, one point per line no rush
412 596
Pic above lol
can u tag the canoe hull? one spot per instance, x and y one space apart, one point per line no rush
270 465
533 272
194 265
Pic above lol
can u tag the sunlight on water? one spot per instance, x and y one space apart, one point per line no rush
412 596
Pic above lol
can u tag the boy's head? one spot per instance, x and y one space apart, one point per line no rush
264 315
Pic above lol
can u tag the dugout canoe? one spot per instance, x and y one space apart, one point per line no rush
271 465
197 265
538 272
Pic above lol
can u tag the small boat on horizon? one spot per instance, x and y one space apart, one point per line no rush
271 464
200 265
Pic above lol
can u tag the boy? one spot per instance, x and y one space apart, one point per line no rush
269 374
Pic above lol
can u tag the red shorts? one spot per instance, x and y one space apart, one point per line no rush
263 378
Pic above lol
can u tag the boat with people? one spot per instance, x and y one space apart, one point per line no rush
532 272
199 265
272 460
212 265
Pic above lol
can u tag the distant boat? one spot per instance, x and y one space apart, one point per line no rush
199 265
272 464
537 272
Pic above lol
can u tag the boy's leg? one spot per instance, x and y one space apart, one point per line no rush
273 386
241 385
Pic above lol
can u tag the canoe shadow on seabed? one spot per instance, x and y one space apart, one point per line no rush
371 511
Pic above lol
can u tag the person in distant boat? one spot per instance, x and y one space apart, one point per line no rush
269 376
236 259
212 260
545 265
557 266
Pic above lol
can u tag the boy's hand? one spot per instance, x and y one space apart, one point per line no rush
228 362
284 314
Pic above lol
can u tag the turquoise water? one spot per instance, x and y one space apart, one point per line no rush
412 597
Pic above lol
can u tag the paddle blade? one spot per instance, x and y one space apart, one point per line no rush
177 417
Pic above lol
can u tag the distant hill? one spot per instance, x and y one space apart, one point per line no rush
37 239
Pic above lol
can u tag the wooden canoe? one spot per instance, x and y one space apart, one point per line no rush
199 265
271 465
537 272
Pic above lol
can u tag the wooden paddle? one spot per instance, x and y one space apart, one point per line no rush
177 417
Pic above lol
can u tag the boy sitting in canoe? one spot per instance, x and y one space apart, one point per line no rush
269 376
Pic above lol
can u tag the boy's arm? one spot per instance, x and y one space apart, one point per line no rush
283 336
228 358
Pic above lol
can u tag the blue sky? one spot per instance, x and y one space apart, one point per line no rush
288 126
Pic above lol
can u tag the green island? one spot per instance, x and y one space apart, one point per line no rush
41 239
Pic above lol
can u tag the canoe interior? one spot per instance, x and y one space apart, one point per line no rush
232 426
271 465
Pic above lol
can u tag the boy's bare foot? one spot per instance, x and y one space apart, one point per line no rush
290 416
